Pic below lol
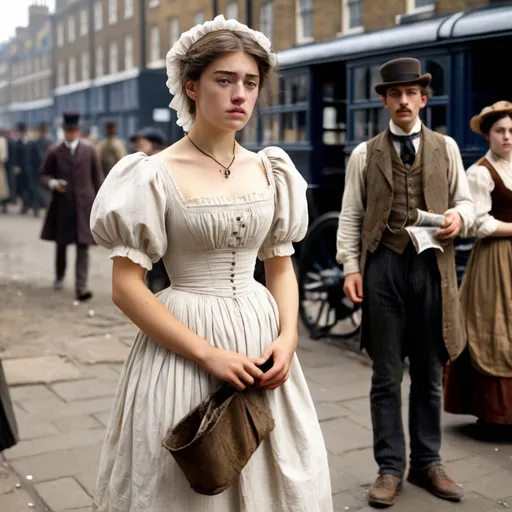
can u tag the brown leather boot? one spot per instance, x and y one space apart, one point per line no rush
385 490
436 481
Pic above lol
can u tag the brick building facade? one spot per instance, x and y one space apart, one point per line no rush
107 53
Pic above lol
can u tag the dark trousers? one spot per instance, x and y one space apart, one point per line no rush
402 314
81 267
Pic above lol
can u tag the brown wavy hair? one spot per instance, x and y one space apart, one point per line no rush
216 44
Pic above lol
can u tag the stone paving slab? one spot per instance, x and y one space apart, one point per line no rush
63 494
84 389
98 350
59 463
36 370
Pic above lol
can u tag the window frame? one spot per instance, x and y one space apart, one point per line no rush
112 12
301 38
267 25
346 29
413 9
98 15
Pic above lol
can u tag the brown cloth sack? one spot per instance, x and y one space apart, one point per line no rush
214 442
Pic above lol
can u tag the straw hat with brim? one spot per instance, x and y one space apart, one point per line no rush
402 71
500 107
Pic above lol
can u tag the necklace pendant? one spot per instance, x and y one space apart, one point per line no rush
226 173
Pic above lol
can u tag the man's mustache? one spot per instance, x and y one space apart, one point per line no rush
400 110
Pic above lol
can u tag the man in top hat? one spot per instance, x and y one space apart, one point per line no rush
409 301
71 169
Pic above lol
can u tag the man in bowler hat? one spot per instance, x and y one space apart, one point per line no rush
72 171
409 301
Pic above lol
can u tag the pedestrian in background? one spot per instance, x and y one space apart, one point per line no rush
479 382
409 301
111 149
4 180
72 171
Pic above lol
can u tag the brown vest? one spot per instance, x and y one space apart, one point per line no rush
407 196
501 196
380 189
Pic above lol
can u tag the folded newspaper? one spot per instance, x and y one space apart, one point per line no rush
423 231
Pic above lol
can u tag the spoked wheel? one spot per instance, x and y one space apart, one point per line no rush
324 307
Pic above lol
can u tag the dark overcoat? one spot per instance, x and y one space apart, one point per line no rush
67 218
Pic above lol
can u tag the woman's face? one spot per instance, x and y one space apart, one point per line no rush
226 92
500 137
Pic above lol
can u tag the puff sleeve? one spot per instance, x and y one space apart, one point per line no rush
128 214
290 222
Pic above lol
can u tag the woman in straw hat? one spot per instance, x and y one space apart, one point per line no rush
480 381
208 208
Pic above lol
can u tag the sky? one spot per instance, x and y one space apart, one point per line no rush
16 16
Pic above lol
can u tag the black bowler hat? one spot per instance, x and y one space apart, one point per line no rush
401 72
21 127
71 120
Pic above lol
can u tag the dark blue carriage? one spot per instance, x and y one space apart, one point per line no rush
325 106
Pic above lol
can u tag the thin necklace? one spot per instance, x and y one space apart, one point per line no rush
224 170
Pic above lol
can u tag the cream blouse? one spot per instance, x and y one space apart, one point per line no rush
481 185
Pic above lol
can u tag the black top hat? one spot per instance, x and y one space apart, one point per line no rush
400 72
71 120
21 127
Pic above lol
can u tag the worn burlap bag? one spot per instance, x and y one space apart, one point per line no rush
215 440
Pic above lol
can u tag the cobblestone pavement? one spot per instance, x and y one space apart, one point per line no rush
63 360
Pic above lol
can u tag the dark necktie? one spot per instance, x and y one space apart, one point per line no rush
407 151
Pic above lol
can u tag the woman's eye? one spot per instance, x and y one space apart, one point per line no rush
223 81
252 84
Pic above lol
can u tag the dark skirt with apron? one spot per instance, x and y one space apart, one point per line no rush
8 426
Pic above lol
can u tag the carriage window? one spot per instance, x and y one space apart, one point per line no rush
436 119
437 84
295 126
369 122
270 128
296 89
361 83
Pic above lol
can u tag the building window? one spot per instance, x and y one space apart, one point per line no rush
128 9
267 19
84 22
155 45
352 16
232 11
61 73
60 34
72 70
113 54
153 3
112 12
71 29
100 61
85 66
304 20
98 15
199 18
420 5
128 52
174 30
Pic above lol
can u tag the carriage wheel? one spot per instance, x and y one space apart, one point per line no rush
324 307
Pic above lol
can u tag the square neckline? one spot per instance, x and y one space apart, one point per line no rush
221 199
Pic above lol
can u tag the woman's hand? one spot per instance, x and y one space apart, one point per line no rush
282 352
240 371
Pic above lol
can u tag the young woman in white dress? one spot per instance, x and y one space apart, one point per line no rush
209 208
